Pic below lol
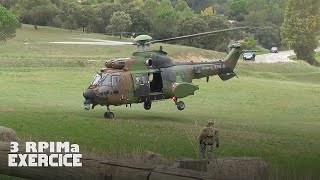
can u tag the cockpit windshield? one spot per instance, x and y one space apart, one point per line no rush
102 79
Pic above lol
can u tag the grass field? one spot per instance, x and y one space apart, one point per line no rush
272 111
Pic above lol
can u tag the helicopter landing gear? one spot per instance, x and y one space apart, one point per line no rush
180 104
147 105
108 115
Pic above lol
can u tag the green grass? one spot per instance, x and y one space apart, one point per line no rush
272 111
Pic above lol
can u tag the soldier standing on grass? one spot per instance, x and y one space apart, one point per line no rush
208 139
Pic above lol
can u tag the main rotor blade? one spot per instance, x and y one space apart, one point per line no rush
100 43
196 35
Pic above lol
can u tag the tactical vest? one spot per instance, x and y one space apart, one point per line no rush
210 136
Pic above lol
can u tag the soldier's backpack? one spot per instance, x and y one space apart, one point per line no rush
210 135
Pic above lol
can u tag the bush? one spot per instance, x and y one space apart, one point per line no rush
250 42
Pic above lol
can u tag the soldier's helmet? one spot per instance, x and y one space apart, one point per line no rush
210 123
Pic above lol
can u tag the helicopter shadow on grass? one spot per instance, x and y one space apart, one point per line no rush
146 116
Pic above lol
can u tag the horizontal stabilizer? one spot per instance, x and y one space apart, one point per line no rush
227 76
181 90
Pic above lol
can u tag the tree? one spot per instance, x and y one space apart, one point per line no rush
37 10
119 22
250 41
165 20
68 13
88 18
238 9
301 27
149 8
220 41
183 9
140 21
106 11
8 24
197 5
268 36
192 25
181 5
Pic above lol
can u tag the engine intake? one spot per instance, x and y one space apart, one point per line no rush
116 64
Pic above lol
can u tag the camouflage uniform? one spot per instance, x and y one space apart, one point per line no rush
208 140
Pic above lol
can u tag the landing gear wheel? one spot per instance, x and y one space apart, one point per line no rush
108 115
181 105
147 105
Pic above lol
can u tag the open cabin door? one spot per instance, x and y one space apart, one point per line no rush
141 86
148 86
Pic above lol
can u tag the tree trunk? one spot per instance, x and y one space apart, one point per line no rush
82 28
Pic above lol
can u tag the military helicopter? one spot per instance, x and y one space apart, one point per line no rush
150 75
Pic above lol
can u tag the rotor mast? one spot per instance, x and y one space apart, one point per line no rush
142 42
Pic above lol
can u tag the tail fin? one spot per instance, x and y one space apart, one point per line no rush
230 63
233 56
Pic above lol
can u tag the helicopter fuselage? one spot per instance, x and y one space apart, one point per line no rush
152 78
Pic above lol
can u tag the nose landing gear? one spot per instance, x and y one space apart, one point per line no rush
147 105
108 114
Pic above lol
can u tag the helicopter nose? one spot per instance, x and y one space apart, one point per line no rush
89 94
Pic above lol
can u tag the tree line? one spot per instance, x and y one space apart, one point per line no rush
169 18
160 19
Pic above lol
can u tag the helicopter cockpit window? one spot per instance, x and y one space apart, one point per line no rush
115 81
96 80
107 81
99 78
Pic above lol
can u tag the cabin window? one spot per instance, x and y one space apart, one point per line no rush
172 77
145 79
183 75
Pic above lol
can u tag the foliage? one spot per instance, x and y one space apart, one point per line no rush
37 10
268 37
209 11
192 25
149 8
301 27
220 41
88 18
106 10
119 22
161 19
183 9
8 24
165 20
8 3
68 13
238 9
141 23
181 5
250 41
197 5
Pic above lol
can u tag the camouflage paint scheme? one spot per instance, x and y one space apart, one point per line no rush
152 75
